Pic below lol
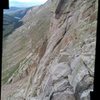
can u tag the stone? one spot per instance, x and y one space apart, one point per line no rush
54 58
63 96
59 71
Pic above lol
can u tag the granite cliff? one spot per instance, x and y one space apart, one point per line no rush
51 56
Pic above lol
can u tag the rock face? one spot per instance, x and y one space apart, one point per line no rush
22 42
58 62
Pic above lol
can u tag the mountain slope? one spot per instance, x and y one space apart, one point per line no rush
10 24
12 19
16 11
53 52
21 42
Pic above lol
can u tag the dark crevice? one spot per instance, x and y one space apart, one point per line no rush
59 40
58 10
60 91
59 6
89 70
78 93
57 44
82 86
73 3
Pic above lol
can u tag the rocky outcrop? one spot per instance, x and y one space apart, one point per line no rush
22 42
62 64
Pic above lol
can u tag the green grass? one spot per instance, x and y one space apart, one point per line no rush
8 73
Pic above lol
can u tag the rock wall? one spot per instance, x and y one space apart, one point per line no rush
63 61
66 70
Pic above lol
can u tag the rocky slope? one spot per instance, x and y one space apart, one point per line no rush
51 57
21 43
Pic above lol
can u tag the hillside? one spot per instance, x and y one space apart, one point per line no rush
21 42
12 19
51 56
10 24
16 11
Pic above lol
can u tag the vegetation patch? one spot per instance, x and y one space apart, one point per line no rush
8 73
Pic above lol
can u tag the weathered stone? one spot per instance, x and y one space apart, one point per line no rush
58 53
60 71
63 96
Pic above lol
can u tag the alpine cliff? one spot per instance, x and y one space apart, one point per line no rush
51 56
